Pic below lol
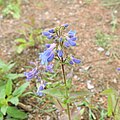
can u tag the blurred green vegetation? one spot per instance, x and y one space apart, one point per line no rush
11 8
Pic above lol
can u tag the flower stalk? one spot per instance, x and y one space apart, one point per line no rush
65 83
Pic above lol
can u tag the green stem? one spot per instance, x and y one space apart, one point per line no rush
64 81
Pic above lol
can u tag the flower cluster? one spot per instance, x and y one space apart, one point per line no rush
70 39
59 42
56 49
47 55
31 74
34 74
41 87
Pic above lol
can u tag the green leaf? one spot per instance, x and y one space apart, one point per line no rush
14 100
69 83
16 113
2 92
8 89
55 92
110 106
21 89
13 76
5 67
20 40
79 94
1 116
10 66
3 102
4 109
11 119
82 111
108 91
20 48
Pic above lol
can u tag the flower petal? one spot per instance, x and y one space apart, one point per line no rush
46 33
77 61
72 43
47 45
66 25
118 69
51 57
71 62
66 44
71 33
51 30
50 37
60 53
73 38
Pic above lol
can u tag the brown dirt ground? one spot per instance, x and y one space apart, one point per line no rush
86 19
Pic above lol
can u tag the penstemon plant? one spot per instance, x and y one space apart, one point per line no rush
56 51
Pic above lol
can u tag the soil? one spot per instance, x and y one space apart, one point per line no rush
86 18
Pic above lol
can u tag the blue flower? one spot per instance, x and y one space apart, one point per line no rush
51 57
32 74
60 53
49 68
46 34
118 69
61 39
72 43
50 37
66 44
47 45
40 88
71 33
65 25
52 31
47 55
73 38
74 60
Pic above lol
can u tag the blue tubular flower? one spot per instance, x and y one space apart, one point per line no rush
77 61
74 60
32 74
65 25
71 33
71 62
50 37
60 39
66 44
49 68
47 45
46 34
73 38
47 55
118 69
50 58
52 31
39 90
72 43
60 53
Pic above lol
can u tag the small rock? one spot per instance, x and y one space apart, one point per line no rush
114 80
89 85
1 17
100 49
107 53
30 116
47 117
75 77
47 13
87 68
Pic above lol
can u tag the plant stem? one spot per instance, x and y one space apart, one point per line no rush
64 80
117 101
